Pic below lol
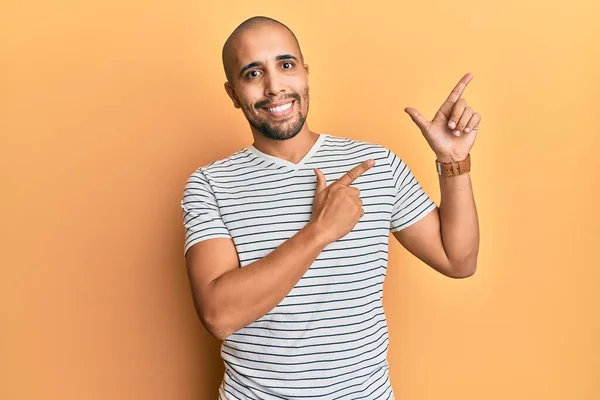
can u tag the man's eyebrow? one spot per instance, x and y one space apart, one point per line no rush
286 57
278 58
248 66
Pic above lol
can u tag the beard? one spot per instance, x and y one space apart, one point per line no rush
280 130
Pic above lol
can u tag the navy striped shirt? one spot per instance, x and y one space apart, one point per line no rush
328 338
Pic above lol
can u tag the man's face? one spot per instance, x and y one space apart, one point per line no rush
268 81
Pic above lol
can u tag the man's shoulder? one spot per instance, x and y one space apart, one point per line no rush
231 162
356 146
221 168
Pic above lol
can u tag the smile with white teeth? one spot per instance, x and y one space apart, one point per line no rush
280 109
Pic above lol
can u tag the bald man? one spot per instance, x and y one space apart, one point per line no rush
287 239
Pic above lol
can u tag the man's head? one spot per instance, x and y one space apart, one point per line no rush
267 77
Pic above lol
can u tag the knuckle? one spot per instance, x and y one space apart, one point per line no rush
463 122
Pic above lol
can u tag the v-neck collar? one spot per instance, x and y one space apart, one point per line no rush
280 161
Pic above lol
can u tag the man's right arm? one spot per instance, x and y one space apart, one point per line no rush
229 298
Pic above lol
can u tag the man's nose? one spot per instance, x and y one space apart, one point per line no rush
273 85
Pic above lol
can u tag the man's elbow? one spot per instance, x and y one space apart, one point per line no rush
211 313
463 270
215 325
220 333
212 317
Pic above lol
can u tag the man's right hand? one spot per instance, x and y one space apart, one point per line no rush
337 208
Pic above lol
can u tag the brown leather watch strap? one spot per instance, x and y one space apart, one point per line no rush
454 168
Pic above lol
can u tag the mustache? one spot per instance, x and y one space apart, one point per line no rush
265 103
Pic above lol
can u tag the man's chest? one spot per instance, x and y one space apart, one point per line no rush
261 216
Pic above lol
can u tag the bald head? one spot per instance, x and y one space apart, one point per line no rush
229 55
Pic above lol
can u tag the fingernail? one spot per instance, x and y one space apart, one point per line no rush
457 133
371 162
467 130
452 124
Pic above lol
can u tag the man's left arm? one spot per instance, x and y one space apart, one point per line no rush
447 239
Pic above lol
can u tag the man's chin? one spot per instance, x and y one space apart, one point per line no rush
278 135
279 132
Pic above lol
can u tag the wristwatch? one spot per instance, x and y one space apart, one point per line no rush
454 168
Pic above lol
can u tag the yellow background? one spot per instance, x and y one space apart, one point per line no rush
106 107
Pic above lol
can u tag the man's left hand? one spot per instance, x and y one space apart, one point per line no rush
453 130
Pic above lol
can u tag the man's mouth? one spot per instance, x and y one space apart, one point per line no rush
280 109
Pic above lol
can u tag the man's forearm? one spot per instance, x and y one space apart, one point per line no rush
243 295
459 223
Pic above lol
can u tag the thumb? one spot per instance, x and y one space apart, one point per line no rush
321 184
417 118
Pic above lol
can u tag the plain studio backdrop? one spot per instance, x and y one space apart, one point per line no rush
106 107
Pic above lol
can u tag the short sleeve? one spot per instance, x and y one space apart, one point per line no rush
201 216
411 203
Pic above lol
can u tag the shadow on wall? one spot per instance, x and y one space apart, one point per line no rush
204 366
210 364
187 362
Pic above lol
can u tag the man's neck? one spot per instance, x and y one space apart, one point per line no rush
292 150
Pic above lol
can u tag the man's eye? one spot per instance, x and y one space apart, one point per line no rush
252 74
287 63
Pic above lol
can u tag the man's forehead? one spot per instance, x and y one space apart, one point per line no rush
263 44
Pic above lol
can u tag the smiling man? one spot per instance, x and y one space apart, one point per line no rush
246 55
287 239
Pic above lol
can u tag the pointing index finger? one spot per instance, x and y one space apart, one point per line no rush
355 172
459 88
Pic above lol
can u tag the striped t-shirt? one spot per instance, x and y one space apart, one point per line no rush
328 338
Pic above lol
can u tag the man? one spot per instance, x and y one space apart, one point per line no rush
286 240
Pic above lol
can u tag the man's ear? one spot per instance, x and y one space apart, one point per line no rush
231 93
306 68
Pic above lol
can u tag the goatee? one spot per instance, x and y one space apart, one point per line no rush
284 130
